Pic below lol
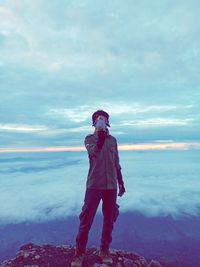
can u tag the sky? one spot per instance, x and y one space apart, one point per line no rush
62 60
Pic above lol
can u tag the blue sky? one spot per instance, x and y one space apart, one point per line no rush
62 60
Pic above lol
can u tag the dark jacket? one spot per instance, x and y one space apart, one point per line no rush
104 162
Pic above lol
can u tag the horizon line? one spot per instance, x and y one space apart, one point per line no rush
123 147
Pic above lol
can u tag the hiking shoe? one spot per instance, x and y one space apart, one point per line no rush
77 260
105 256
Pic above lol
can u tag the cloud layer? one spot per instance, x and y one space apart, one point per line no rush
46 186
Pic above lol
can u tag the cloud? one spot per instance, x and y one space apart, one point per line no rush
69 45
67 125
155 122
75 114
83 112
77 38
153 190
47 193
23 128
70 59
50 183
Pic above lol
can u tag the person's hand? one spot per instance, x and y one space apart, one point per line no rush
100 124
122 190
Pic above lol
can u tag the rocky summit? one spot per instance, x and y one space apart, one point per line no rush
31 255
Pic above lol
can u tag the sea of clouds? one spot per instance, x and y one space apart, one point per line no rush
37 187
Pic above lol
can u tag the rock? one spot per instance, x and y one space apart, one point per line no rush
128 263
100 265
154 263
31 255
120 259
142 261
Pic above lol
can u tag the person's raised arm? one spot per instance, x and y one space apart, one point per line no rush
94 148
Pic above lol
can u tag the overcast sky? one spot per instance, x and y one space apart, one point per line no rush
62 60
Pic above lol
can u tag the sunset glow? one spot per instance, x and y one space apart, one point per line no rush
125 147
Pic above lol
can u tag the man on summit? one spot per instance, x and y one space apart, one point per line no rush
103 176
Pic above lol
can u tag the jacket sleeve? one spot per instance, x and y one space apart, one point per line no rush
91 147
118 167
117 164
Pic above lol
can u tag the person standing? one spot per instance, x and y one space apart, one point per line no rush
103 180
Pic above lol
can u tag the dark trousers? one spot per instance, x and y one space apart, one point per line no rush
91 203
